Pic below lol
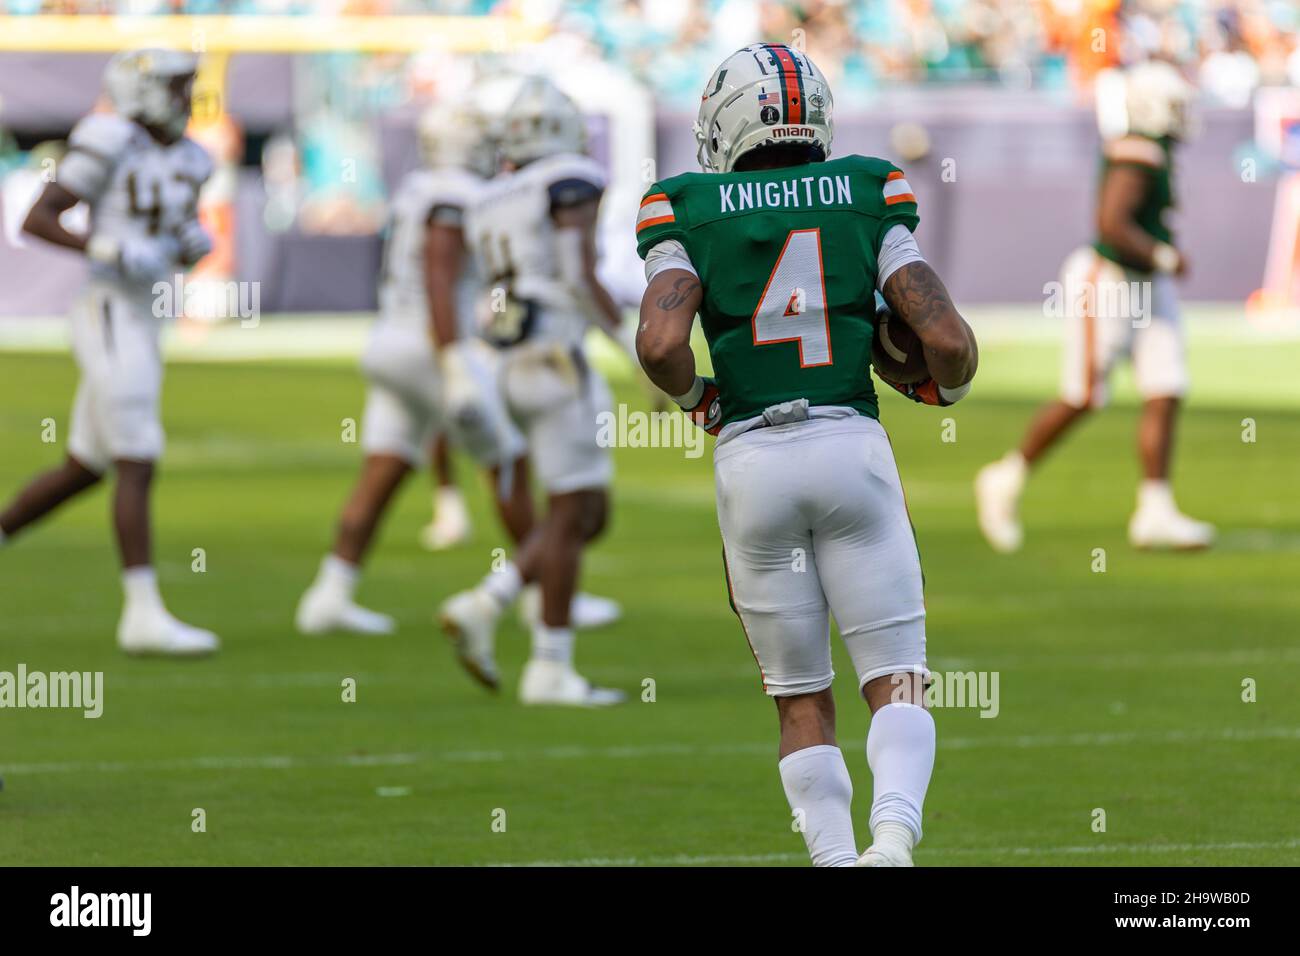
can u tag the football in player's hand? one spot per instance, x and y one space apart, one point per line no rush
896 352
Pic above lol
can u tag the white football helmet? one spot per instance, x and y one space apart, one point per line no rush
153 87
764 94
531 117
456 134
1157 100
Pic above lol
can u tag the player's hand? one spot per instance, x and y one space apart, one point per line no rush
459 385
707 412
195 242
928 392
142 259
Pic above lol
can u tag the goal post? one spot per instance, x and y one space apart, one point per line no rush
1276 304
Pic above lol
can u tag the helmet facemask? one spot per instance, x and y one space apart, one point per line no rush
457 137
154 88
536 120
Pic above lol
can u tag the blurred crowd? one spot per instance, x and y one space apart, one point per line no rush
1230 47
869 44
1233 45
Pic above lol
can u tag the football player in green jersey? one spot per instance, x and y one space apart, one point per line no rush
1120 300
781 250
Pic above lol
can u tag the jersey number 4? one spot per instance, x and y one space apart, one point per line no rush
793 305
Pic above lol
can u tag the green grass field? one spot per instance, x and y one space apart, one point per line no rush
1120 690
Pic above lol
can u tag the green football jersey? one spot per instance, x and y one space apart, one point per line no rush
1153 157
787 260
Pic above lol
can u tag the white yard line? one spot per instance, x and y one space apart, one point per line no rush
991 661
580 752
923 853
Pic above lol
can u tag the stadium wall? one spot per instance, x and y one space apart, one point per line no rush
1006 192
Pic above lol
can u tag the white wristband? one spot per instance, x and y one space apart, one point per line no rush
951 395
692 398
1165 258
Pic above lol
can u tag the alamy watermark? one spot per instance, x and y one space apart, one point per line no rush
1122 300
632 428
132 911
70 690
208 299
975 689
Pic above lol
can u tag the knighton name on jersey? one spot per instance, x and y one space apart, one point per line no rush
830 191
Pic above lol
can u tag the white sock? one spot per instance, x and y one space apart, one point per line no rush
1016 465
553 644
338 575
1156 494
447 499
900 752
504 585
896 836
140 585
818 787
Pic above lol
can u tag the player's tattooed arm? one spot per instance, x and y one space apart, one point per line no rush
663 338
43 219
679 293
1123 190
916 295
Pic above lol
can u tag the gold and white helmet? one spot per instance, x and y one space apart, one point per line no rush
456 134
153 87
1156 100
765 94
530 117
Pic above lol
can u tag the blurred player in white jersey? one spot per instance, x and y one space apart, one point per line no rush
427 374
140 175
533 234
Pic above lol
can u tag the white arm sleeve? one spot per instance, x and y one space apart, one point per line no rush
667 254
568 253
896 250
95 146
569 243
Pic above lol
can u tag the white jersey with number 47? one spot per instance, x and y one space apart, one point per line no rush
513 237
134 185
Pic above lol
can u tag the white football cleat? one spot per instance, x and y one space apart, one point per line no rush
450 525
591 611
997 502
552 683
891 846
323 610
469 619
585 613
884 856
1153 528
154 631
